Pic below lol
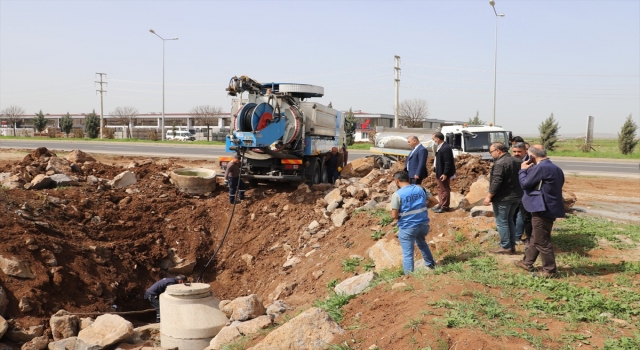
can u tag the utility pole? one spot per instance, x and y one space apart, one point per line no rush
397 85
101 91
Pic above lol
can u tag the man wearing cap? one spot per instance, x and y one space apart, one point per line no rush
153 293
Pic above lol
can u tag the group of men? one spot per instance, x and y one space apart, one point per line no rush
525 191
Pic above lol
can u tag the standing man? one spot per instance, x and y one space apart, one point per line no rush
232 178
334 162
409 207
523 217
505 194
445 171
416 164
153 293
542 183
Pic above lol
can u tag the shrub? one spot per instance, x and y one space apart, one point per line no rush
78 134
153 135
109 133
52 132
549 133
92 125
626 137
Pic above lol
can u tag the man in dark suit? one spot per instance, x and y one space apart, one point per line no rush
445 171
542 183
416 164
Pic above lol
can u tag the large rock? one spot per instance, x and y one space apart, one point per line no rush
370 177
569 199
333 198
339 216
58 166
386 254
37 343
482 210
183 268
25 335
64 325
226 335
312 329
150 332
41 181
107 330
244 308
278 307
4 177
237 329
354 285
77 156
4 325
358 167
477 192
64 344
283 290
15 267
351 202
455 198
62 180
123 180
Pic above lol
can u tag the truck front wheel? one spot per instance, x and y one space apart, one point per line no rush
313 171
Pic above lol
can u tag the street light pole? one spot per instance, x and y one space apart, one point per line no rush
495 59
163 41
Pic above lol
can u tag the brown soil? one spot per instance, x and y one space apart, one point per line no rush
112 261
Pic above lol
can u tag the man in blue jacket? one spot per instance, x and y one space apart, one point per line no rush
153 293
542 183
416 161
409 207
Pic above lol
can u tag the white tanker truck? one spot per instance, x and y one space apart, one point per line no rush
282 136
391 143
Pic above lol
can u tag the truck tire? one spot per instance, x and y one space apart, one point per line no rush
324 175
313 171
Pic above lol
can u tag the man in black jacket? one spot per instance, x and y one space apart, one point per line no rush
153 293
505 195
445 171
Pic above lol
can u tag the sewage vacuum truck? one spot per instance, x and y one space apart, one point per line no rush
392 143
281 135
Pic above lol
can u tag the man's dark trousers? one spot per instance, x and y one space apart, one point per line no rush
541 243
235 185
332 175
155 302
444 193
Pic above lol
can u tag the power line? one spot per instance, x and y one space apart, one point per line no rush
526 73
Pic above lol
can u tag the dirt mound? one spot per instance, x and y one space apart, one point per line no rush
468 169
36 154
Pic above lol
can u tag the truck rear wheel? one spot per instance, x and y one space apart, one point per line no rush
313 171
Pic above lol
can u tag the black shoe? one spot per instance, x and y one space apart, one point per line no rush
438 210
432 267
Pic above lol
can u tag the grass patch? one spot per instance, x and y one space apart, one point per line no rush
377 235
581 233
624 343
604 148
350 265
333 305
387 276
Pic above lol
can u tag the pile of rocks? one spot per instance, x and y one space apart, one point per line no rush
68 332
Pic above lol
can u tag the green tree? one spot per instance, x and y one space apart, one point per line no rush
626 137
350 124
40 122
476 120
549 133
92 124
66 124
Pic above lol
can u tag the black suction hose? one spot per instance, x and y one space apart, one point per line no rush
233 209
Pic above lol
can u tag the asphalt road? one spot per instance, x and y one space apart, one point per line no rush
569 165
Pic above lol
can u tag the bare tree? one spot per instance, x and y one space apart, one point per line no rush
414 112
12 115
206 115
126 116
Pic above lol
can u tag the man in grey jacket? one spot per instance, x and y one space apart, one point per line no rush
505 194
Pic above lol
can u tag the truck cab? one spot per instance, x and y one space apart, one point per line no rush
474 139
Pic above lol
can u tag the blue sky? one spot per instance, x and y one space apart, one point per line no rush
571 58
